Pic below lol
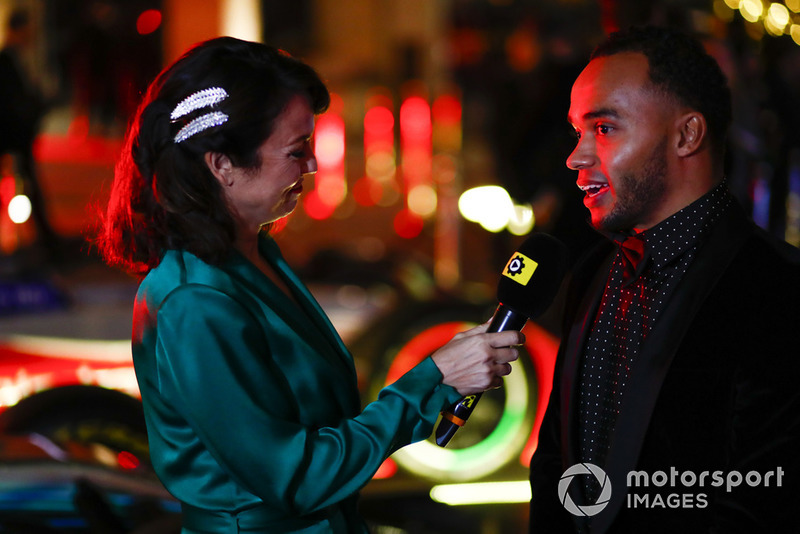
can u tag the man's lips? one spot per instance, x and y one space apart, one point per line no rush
593 189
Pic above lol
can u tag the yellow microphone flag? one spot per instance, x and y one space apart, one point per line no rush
520 268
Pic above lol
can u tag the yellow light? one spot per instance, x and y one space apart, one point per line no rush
751 10
476 202
723 10
771 28
482 493
242 19
733 4
19 209
331 188
795 33
490 206
794 5
522 220
778 15
381 166
422 200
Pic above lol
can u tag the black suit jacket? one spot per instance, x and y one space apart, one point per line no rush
715 389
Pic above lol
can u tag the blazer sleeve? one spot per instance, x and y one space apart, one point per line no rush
214 364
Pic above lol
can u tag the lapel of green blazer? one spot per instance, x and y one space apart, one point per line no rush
310 323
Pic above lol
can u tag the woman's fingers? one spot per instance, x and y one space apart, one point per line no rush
476 360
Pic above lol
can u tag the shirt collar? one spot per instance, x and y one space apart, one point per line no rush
684 229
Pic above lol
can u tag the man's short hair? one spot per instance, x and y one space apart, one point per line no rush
679 66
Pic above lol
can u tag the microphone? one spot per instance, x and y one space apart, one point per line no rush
527 287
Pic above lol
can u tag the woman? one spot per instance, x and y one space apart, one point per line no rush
252 408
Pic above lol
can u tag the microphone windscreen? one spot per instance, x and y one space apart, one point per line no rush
533 275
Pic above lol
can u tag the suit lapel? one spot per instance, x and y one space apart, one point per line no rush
592 291
719 249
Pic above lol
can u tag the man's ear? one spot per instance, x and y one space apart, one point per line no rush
220 166
692 131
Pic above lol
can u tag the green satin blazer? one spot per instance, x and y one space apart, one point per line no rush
252 407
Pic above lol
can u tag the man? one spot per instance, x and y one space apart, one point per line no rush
678 375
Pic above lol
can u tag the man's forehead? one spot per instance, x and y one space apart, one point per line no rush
608 84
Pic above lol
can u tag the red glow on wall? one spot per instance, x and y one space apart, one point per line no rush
446 110
367 192
407 224
148 22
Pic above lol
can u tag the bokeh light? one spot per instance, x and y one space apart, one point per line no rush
148 22
19 209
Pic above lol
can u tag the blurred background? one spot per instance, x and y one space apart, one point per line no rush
444 146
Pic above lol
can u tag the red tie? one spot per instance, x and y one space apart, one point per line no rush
633 252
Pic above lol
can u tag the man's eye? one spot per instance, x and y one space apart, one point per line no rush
603 129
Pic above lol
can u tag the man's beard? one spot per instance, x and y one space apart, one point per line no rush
638 194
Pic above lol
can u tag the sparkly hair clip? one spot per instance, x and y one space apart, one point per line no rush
203 122
199 100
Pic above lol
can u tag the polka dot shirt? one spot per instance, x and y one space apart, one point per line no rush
627 313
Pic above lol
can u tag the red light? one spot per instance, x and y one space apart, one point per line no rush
367 192
127 460
421 346
408 225
378 122
8 188
387 469
415 119
329 141
315 208
447 109
330 185
148 22
380 162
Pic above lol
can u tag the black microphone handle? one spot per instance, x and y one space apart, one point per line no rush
456 416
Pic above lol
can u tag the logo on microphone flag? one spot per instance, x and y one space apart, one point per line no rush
520 268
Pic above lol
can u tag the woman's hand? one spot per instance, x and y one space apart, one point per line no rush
474 361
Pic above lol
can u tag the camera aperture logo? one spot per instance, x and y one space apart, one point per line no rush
602 499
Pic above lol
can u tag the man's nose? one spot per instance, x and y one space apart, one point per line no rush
582 155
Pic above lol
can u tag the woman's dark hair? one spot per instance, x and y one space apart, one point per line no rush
164 196
679 66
